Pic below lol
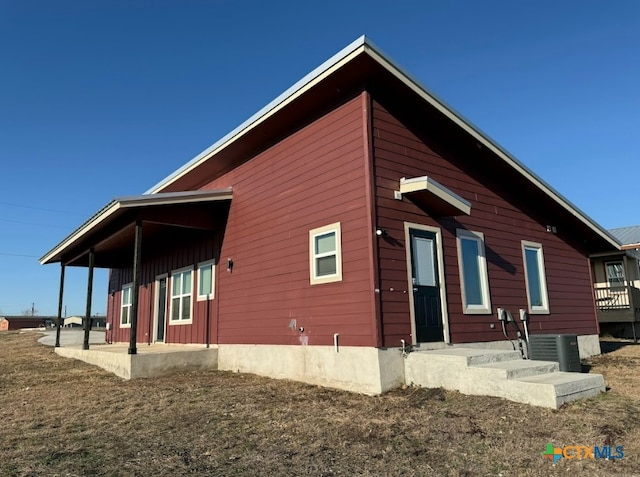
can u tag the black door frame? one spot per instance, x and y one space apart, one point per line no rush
441 280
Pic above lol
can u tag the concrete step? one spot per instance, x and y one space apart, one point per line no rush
471 356
514 369
500 374
568 387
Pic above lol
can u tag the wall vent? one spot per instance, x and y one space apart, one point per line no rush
560 348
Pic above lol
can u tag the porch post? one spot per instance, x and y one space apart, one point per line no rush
137 260
87 316
60 305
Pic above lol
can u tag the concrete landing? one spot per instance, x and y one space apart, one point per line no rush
150 361
501 374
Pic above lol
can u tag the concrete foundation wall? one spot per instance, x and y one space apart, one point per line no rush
144 365
589 345
361 369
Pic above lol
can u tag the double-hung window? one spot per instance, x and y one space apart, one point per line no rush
125 306
181 292
206 280
535 277
615 275
474 280
325 254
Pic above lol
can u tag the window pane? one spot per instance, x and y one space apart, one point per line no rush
176 284
186 282
533 276
326 243
175 309
126 296
471 271
615 274
125 315
326 265
186 308
425 269
205 280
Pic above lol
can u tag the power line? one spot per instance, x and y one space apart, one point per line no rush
18 255
37 208
34 224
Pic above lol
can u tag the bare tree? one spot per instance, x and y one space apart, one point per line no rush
30 311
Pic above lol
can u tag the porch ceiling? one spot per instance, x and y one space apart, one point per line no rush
165 217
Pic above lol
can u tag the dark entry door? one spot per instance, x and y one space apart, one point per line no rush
162 308
426 287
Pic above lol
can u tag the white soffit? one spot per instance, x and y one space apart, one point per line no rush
443 200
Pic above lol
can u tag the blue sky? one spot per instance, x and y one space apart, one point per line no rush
106 98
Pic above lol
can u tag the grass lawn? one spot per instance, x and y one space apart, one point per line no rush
60 417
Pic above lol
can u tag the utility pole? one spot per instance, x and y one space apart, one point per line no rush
33 309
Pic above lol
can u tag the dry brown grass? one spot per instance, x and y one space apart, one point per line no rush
62 417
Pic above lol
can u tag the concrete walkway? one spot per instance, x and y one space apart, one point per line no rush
71 337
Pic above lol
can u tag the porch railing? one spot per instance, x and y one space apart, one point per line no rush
617 298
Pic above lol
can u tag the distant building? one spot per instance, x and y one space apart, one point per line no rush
616 277
8 323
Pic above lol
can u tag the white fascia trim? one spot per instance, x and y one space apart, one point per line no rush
476 133
172 198
334 63
101 216
175 198
426 183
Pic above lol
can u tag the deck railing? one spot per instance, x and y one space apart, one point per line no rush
617 298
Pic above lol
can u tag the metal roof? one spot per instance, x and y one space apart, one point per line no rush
119 206
627 235
364 46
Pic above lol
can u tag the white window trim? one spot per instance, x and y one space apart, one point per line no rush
335 277
173 322
212 295
485 307
544 309
122 305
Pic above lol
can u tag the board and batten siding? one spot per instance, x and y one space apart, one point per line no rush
312 178
497 213
186 253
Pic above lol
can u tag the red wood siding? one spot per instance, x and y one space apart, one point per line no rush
186 251
503 216
310 179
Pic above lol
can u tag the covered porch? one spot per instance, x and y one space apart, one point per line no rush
125 234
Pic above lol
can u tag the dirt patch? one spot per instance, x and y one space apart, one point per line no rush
64 417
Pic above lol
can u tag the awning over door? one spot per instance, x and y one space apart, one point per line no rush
434 197
110 232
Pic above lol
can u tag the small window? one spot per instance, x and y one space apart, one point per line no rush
535 278
125 307
325 255
615 275
181 292
474 280
205 280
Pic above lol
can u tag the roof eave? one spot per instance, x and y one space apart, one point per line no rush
129 202
364 45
